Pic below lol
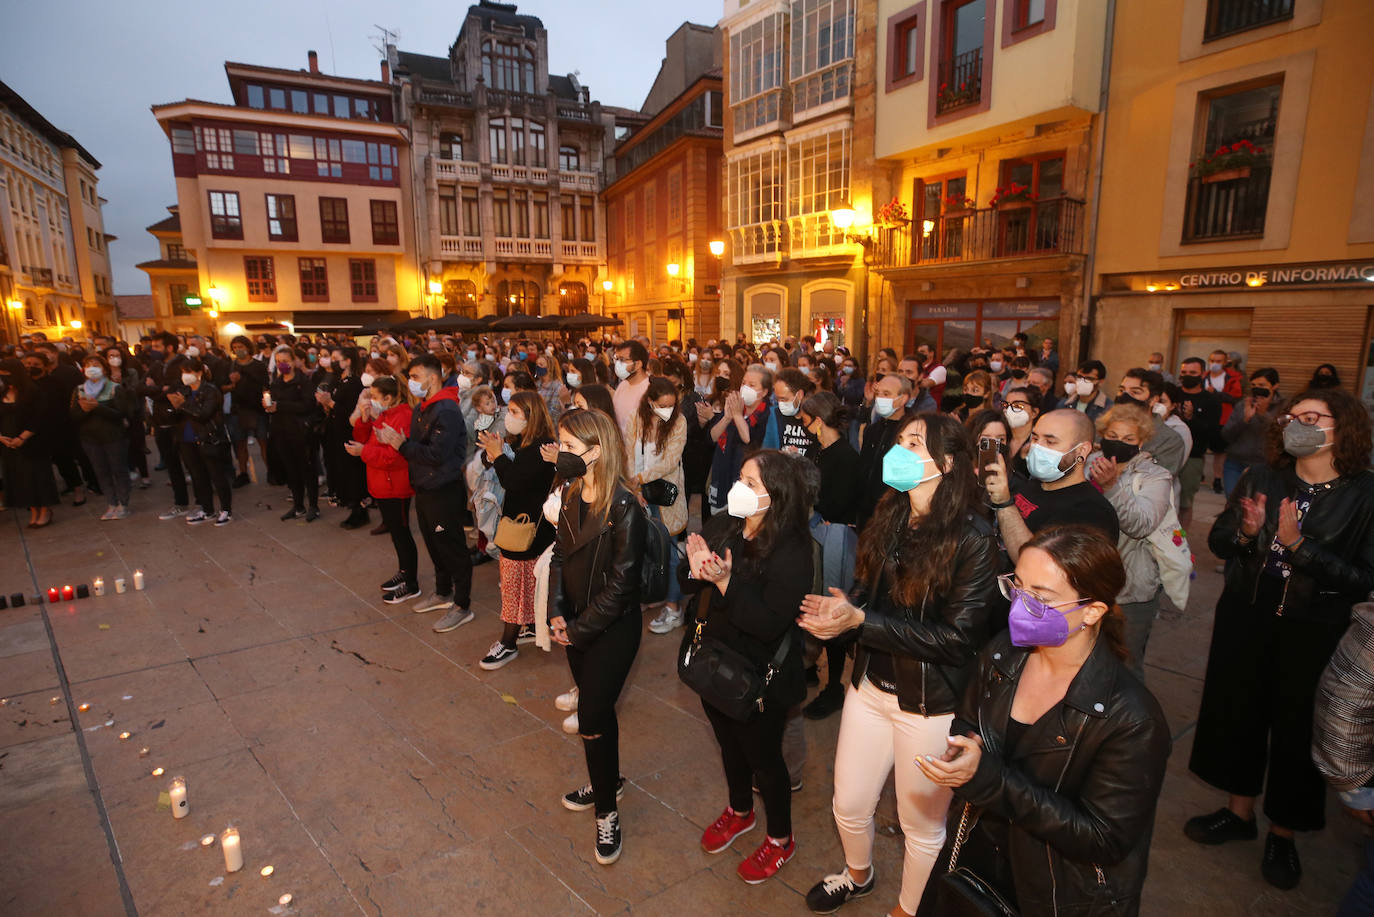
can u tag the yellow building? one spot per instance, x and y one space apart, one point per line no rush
1267 247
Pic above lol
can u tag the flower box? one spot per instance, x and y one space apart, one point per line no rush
1226 175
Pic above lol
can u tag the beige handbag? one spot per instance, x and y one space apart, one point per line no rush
515 535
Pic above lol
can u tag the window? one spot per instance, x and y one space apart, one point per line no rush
272 148
460 298
314 280
500 212
1034 223
675 201
183 140
650 213
960 72
756 61
517 141
362 279
1227 17
569 160
817 172
255 99
218 144
1228 192
262 283
381 160
496 134
943 202
177 252
341 106
508 66
822 51
328 157
321 103
1027 13
568 211
520 210
334 219
537 155
176 294
541 215
281 217
450 146
754 188
714 102
448 211
225 219
588 218
385 228
300 101
276 98
472 213
905 49
572 298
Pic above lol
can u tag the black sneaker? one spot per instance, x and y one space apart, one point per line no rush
1216 486
826 703
831 893
1280 865
313 514
497 656
294 512
1219 827
580 800
525 636
396 582
608 838
401 594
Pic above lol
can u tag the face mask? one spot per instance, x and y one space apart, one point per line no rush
377 407
1084 387
484 420
1016 419
972 401
284 368
1121 451
1018 374
522 355
569 465
1070 389
311 358
540 372
749 395
773 368
573 379
1033 623
189 378
664 414
1160 409
995 365
884 406
1188 380
464 383
741 502
904 470
1216 368
193 352
515 425
788 408
505 396
1123 398
1043 463
416 388
622 370
94 372
1156 367
847 370
590 355
1301 440
375 355
116 361
326 362
1261 393
472 355
1320 380
367 379
691 358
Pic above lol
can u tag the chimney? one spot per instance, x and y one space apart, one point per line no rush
314 61
386 72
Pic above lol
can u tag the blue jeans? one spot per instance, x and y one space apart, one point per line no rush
674 590
1230 475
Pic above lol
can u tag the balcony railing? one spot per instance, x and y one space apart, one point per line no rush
961 81
504 172
526 248
1233 208
581 251
457 170
460 247
445 97
583 181
1020 230
759 242
1227 17
813 234
40 274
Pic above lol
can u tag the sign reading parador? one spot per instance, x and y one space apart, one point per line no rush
1258 276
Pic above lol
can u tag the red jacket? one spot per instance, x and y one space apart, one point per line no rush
387 475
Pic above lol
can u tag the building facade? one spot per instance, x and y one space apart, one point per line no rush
987 112
173 278
663 208
293 202
55 272
507 162
798 145
1238 118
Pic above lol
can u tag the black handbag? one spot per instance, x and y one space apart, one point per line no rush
724 677
964 893
662 492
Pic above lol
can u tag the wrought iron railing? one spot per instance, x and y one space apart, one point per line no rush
1220 208
961 81
1227 17
1015 230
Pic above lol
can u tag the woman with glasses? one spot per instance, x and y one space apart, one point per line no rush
1021 406
1244 432
1297 536
1056 757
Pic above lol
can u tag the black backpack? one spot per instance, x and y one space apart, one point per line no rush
653 569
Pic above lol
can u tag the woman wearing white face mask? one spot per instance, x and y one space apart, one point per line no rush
1020 407
656 440
100 409
204 442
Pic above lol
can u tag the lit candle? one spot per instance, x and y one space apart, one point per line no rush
84 707
233 850
120 587
180 808
68 593
284 900
266 871
124 736
157 772
98 586
52 594
54 701
207 840
138 579
143 752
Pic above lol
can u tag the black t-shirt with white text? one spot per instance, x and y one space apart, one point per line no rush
792 434
1078 504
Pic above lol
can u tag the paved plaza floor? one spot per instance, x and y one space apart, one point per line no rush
380 771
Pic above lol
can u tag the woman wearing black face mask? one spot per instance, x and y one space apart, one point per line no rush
1244 431
593 603
291 405
1325 376
1298 538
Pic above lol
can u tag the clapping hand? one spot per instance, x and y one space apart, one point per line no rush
390 435
491 443
706 564
1252 515
827 616
549 453
1105 471
957 765
1289 535
704 413
734 405
353 448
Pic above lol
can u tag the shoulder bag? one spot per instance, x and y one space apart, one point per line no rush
964 893
724 677
515 535
662 492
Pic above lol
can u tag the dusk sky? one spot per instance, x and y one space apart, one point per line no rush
93 69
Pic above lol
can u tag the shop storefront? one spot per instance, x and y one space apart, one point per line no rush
962 325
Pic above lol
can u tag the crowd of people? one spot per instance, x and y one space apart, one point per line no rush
978 544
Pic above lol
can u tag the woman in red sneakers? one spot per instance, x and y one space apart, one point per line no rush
749 570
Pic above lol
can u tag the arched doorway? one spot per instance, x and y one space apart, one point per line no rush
517 297
460 298
572 298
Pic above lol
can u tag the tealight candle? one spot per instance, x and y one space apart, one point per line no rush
143 752
54 701
52 594
157 772
68 593
84 707
138 579
98 586
120 586
266 871
284 900
180 806
207 840
233 849
124 736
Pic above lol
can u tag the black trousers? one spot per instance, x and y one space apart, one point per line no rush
1254 729
209 470
138 450
396 517
297 453
599 670
169 447
71 461
753 750
441 515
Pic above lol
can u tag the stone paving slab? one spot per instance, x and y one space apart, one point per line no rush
380 771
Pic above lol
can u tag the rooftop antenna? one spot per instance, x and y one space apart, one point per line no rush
387 37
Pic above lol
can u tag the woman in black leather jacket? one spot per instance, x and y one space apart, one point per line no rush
593 603
927 566
1298 538
1058 753
204 442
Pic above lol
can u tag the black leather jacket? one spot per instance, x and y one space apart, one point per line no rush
1073 808
1333 568
203 409
594 569
934 645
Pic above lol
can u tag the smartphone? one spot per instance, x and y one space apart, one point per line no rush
987 452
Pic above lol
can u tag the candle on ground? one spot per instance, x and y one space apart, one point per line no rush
284 900
68 593
52 594
98 586
207 841
266 871
138 579
180 806
120 586
233 850
157 772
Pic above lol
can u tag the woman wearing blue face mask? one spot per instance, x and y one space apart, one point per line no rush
926 568
1057 755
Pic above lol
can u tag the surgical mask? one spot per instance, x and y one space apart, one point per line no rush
1034 623
1044 463
590 355
189 378
741 502
375 355
1159 409
749 395
377 407
1016 419
691 358
464 383
285 368
326 362
847 370
522 355
884 406
311 358
995 365
570 465
1084 387
192 352
1156 367
367 379
773 367
416 389
788 408
472 355
573 379
540 372
664 414
505 396
1300 439
515 425
622 370
1216 368
1122 452
904 470
484 421
94 372
116 361
806 371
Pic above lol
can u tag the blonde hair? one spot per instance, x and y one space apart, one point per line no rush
593 428
1132 414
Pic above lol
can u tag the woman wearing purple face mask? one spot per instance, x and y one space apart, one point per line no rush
1057 753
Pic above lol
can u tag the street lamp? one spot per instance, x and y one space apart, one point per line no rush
843 217
76 324
674 269
717 247
435 288
606 287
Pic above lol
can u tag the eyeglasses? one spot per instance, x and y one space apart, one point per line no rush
1310 418
1010 589
1018 406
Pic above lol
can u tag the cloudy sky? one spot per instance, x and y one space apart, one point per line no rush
93 68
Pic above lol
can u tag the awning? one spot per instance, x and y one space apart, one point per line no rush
347 320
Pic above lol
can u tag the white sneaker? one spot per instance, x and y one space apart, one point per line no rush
668 620
433 602
570 724
223 518
110 515
121 512
173 513
197 517
567 701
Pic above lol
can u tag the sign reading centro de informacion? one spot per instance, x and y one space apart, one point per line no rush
1247 277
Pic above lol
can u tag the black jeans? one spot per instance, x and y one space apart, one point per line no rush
297 454
209 467
753 750
599 670
441 515
169 447
396 517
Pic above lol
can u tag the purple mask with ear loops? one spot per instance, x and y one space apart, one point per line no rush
1033 623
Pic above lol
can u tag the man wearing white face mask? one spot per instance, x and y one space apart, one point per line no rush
1088 397
631 360
791 389
890 395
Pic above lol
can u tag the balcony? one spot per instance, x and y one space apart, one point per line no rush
1022 230
456 170
960 81
503 172
445 97
460 247
577 252
541 249
758 243
1227 17
813 235
1229 209
582 181
40 275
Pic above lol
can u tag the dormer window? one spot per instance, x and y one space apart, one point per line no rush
508 66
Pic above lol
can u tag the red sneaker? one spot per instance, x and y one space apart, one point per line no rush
725 829
764 863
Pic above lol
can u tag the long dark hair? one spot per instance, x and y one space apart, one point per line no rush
1350 442
922 556
598 398
658 387
828 409
789 508
19 379
1093 568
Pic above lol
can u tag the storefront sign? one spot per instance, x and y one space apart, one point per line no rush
1288 276
952 310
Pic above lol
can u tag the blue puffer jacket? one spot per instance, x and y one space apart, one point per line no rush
437 444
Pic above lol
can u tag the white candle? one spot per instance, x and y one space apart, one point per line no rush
180 806
284 900
138 579
233 851
120 586
267 399
98 587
